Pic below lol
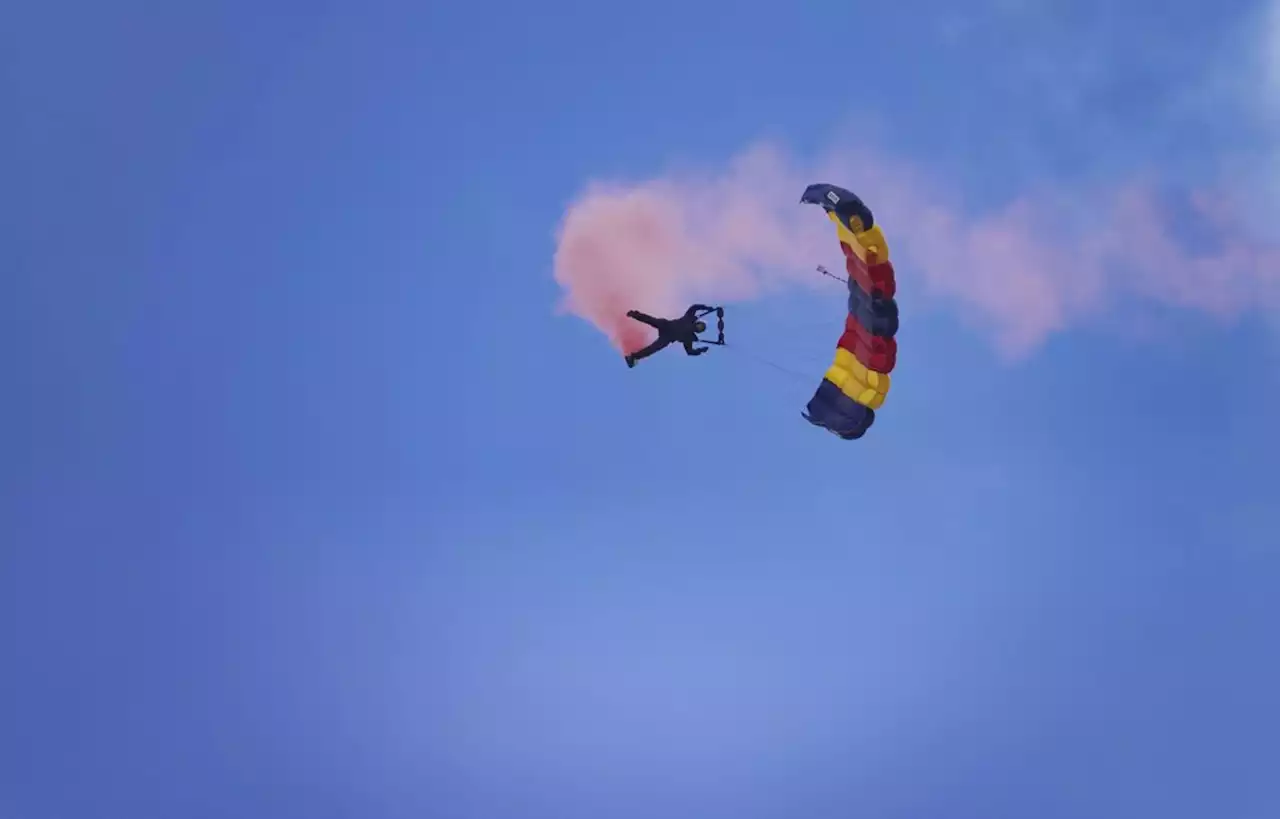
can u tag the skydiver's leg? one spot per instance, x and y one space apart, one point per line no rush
645 318
646 351
650 350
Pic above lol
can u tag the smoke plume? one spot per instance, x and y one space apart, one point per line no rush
1035 266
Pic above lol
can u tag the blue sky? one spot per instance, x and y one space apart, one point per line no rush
314 507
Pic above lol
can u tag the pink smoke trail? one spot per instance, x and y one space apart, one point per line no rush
1032 268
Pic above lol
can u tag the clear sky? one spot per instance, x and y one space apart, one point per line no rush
314 506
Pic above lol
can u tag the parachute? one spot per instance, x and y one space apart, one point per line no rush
855 386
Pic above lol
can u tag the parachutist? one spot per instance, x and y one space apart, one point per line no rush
684 330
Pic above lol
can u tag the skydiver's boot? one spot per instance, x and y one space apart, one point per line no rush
631 361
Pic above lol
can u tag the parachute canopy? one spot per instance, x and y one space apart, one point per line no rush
856 384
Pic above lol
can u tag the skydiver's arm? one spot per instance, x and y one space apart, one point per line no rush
691 350
697 309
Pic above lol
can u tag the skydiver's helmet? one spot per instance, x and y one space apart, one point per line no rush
699 327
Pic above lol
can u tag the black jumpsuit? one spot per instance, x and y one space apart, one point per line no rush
670 331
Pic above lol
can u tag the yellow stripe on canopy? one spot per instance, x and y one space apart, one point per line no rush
873 242
865 386
865 243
